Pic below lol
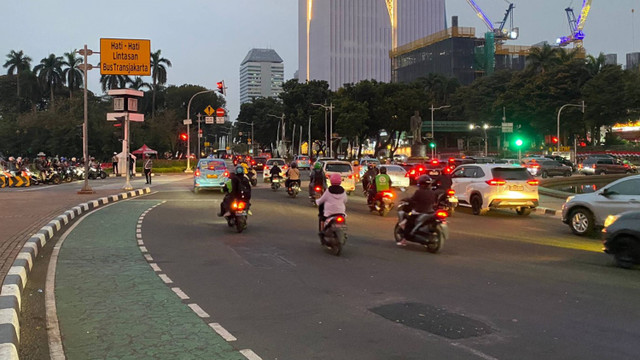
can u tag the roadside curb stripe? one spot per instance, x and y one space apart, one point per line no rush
17 277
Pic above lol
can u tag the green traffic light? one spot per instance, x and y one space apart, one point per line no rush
519 142
432 145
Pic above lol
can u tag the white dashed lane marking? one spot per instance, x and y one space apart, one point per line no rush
165 278
180 293
198 310
223 332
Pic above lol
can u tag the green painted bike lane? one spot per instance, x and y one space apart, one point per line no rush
112 305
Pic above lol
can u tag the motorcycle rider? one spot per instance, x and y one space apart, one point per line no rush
422 202
441 184
316 178
11 166
293 175
369 177
275 171
382 182
41 165
333 201
237 188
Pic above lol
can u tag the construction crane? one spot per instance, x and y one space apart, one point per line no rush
575 25
499 32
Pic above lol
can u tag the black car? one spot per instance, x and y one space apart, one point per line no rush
622 238
260 161
562 160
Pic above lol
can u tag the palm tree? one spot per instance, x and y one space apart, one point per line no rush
50 74
138 84
158 75
542 58
71 73
18 62
595 64
114 82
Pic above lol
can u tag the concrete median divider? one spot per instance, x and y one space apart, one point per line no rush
16 279
545 184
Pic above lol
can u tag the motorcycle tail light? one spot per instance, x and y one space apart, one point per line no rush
241 205
451 192
340 219
388 194
350 176
318 189
441 214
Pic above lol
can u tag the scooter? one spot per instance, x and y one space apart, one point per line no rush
275 183
67 174
293 190
32 177
239 214
52 177
317 194
334 233
429 230
382 203
97 172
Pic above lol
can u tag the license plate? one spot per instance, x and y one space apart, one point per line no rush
516 187
241 213
214 176
276 180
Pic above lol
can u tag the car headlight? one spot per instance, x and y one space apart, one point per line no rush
610 220
570 198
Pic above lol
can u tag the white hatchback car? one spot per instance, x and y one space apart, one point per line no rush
398 175
346 173
495 186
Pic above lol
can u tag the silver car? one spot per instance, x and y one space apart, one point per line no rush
584 212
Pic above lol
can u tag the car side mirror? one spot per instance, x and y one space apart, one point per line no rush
605 193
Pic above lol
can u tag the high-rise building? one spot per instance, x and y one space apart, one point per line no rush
261 75
346 41
611 59
633 61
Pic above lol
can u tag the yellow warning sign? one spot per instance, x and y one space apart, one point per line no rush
209 110
125 57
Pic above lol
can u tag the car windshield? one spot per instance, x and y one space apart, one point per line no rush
341 168
279 162
510 173
303 158
213 165
394 168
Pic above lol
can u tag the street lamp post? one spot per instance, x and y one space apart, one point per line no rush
484 127
328 138
433 149
86 188
251 123
188 170
281 128
560 111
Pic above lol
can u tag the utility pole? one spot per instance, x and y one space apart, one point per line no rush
199 134
86 188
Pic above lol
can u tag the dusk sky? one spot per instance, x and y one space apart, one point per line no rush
207 39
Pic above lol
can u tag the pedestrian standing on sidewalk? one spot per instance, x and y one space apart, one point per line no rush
132 164
114 162
148 165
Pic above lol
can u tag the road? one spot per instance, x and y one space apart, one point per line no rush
503 287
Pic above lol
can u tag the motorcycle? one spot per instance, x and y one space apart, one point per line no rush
275 183
448 201
67 174
294 189
78 172
32 177
317 194
382 203
239 213
429 230
97 172
51 176
334 234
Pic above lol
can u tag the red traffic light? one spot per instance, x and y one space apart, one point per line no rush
183 137
220 85
554 139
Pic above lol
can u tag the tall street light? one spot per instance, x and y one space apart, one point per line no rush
484 127
281 127
433 135
85 66
328 139
246 123
188 170
559 111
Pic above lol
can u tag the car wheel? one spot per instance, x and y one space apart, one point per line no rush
545 174
196 190
568 174
581 221
626 248
602 172
523 211
476 205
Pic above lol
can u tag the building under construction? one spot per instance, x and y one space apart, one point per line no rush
455 52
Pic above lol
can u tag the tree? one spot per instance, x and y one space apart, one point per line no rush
158 76
17 62
71 73
49 73
138 84
257 112
541 59
109 82
602 96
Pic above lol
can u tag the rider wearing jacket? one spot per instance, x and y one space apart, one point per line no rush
317 178
422 201
369 176
237 188
293 175
382 182
275 171
333 201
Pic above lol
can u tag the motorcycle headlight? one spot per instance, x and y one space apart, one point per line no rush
610 220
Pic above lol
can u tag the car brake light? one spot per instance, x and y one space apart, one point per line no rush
593 166
408 174
533 182
441 214
452 160
350 176
451 192
412 172
435 162
340 219
495 182
253 162
420 169
197 173
579 166
388 194
225 174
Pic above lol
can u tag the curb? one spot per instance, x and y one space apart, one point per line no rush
16 279
548 212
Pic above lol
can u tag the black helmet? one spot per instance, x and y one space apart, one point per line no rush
383 170
294 165
424 181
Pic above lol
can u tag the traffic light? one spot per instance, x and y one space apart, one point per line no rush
184 137
432 145
554 139
519 142
221 87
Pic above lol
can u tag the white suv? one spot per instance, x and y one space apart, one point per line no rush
495 186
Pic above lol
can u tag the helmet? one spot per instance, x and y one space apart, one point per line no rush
11 158
424 181
239 170
383 170
73 159
335 179
317 165
63 159
19 158
355 163
92 158
294 164
115 153
41 154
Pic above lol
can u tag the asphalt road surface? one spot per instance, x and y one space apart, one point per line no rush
503 287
